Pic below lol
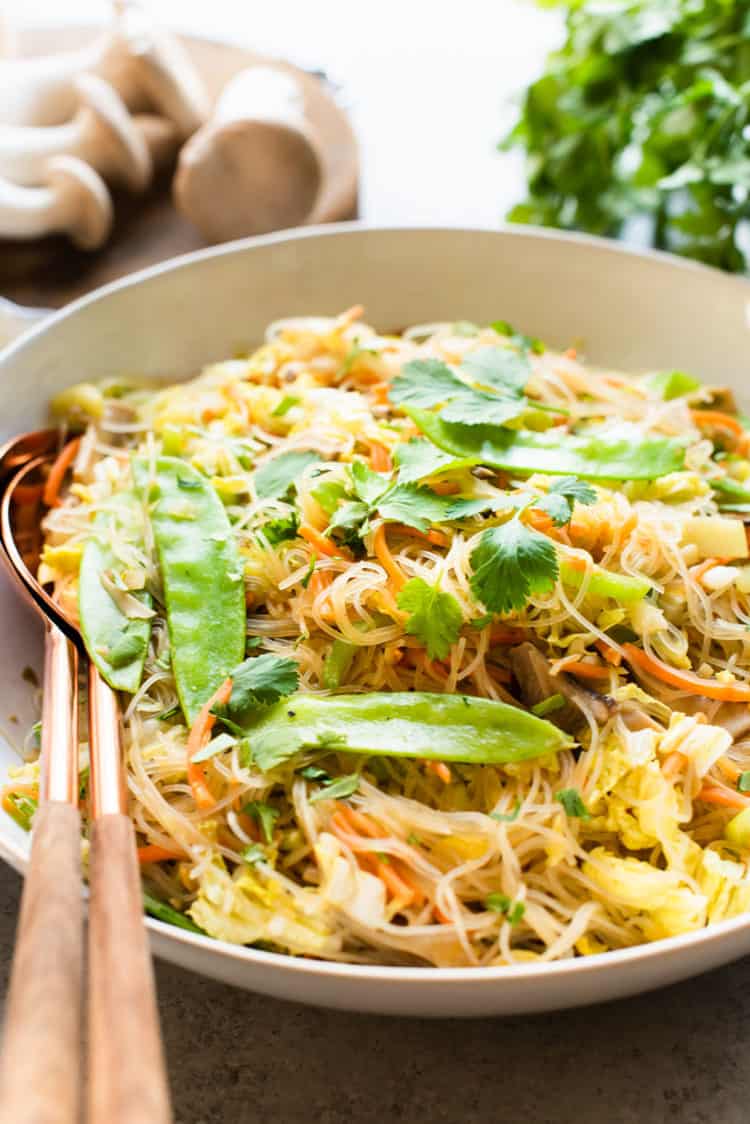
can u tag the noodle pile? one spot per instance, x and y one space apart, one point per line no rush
618 840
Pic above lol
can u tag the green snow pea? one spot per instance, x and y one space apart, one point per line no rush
202 577
337 663
117 644
456 728
624 455
602 583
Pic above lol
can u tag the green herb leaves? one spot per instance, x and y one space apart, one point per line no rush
434 617
495 395
338 789
274 479
510 564
258 682
643 113
572 802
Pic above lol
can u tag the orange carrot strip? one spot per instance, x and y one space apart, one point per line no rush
697 572
610 654
380 458
153 853
731 771
584 670
397 881
318 541
197 738
686 680
65 458
443 918
673 764
440 769
379 393
435 537
725 797
386 559
717 419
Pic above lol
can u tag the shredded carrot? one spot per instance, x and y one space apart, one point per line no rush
66 456
443 918
386 559
584 670
541 521
673 764
697 572
717 419
345 822
686 680
437 538
571 353
731 771
380 458
320 542
379 393
440 769
197 738
725 797
610 654
153 853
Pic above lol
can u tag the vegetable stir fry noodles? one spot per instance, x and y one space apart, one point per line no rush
433 649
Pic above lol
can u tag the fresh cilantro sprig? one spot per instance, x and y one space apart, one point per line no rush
258 682
488 389
573 803
435 617
642 114
511 563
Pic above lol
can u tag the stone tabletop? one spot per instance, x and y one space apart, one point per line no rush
680 1054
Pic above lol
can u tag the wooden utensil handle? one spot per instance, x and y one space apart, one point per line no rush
127 1078
40 1071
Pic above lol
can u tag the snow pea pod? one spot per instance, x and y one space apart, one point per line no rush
603 583
435 727
116 643
202 576
625 454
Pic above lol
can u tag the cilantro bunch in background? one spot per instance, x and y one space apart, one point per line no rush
644 114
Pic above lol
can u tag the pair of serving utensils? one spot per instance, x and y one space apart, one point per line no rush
40 1067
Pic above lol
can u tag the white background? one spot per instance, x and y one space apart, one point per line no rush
428 84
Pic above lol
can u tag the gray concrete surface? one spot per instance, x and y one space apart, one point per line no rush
682 1054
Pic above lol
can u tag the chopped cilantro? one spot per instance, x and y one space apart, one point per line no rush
259 681
313 773
501 903
511 563
170 712
572 802
282 529
434 617
417 459
254 854
216 745
310 572
275 478
743 781
500 368
338 789
507 817
263 814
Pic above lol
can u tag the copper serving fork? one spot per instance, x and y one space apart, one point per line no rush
127 1080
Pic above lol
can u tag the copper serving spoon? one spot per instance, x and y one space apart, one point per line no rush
126 1074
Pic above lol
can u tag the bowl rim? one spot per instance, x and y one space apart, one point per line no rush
17 857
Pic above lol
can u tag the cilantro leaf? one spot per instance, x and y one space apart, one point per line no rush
500 368
435 617
425 383
575 490
282 529
263 814
413 505
557 507
483 409
572 802
217 745
254 854
417 459
338 789
259 681
501 903
329 494
275 478
368 485
511 563
349 517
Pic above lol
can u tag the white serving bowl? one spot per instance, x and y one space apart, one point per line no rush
631 310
